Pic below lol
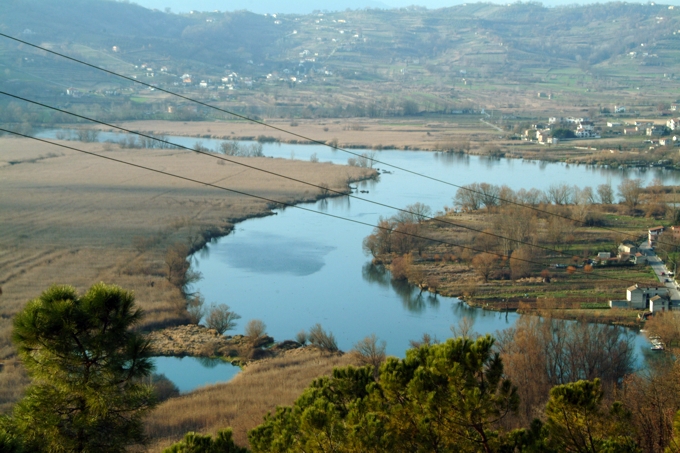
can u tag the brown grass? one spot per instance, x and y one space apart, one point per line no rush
404 133
242 403
69 218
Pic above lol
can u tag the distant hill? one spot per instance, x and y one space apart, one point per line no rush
263 6
439 57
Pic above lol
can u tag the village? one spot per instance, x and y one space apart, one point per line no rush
558 129
652 298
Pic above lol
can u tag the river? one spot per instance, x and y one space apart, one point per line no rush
297 268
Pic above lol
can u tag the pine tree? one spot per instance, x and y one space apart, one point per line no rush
87 367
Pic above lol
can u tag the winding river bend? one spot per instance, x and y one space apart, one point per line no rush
297 268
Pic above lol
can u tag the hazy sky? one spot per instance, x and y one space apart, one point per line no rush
295 6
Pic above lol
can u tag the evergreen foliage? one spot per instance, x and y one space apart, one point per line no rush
86 365
197 443
443 397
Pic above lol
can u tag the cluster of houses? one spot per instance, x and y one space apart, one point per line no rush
649 298
581 127
584 128
652 298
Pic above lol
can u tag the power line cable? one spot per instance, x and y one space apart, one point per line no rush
252 167
315 141
291 205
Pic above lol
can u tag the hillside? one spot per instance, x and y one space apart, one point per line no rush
370 62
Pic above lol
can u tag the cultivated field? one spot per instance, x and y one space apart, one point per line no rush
70 218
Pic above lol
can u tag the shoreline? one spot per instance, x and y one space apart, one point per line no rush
450 136
192 340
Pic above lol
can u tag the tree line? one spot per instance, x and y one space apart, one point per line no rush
543 385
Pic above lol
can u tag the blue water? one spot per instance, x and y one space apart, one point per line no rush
189 373
297 268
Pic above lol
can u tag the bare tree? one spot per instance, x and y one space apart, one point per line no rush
380 241
560 194
506 195
221 318
255 329
468 198
406 238
489 195
516 226
417 213
532 197
605 193
652 396
582 198
539 353
630 191
301 337
319 337
464 328
371 352
520 265
196 308
484 264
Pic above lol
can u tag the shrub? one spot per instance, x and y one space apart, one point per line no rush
255 329
196 308
221 318
319 337
301 337
371 352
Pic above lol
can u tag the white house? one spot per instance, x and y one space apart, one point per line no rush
658 303
619 109
638 297
653 234
628 249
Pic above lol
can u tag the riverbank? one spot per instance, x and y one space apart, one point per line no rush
198 341
555 269
464 134
70 218
243 402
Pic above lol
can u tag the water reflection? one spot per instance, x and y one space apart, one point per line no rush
340 203
412 298
462 310
373 273
207 362
268 253
451 159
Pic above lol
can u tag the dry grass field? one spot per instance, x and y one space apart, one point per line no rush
70 218
418 134
242 403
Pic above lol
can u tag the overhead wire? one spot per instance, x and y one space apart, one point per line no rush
296 206
318 186
315 141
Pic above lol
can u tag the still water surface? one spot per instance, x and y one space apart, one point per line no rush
296 268
189 373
